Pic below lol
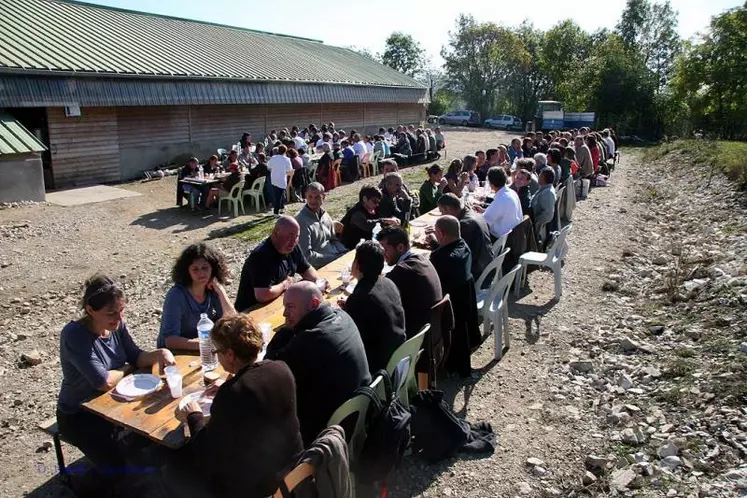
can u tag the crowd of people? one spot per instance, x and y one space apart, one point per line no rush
286 156
268 411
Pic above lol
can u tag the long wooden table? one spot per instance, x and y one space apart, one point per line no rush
154 416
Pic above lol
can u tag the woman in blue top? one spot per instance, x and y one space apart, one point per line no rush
96 352
198 275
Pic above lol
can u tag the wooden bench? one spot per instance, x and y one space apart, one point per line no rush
49 426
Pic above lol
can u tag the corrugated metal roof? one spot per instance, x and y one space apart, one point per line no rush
15 139
56 35
22 91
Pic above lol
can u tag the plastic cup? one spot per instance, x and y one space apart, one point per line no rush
345 277
170 370
175 385
266 330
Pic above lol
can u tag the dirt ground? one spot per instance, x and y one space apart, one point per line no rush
46 252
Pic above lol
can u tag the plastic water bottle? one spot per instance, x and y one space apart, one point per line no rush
200 172
209 360
376 231
465 195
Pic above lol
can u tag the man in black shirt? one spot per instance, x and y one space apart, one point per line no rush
323 349
269 269
453 261
375 306
473 229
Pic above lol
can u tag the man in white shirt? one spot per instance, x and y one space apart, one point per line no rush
300 142
279 166
504 213
358 147
609 143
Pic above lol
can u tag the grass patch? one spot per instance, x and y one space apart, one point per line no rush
720 156
684 352
679 367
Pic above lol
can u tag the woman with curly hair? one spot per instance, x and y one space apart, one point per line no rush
198 275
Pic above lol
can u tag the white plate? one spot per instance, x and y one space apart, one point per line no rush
205 403
138 385
419 223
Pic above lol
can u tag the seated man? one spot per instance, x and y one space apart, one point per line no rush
453 262
189 170
361 219
318 237
375 306
323 349
349 169
440 139
504 213
543 206
402 150
395 203
270 268
474 230
252 425
413 275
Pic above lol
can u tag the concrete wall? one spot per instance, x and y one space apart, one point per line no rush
22 178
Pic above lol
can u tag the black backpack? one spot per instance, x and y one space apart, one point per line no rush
388 433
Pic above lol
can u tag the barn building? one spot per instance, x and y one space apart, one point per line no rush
112 92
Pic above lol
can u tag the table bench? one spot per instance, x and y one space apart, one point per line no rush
49 426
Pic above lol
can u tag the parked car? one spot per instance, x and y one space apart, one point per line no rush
464 118
503 122
432 118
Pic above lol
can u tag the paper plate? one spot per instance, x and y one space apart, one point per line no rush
419 223
138 385
205 403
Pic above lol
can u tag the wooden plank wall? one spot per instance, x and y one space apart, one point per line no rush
84 149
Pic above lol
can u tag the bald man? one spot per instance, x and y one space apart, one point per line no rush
270 268
324 350
453 263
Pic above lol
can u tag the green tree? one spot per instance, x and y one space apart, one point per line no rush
366 52
711 76
403 53
564 48
634 17
481 59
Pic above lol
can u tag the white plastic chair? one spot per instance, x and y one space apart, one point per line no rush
500 244
405 358
552 259
375 163
256 192
495 268
233 197
498 311
558 202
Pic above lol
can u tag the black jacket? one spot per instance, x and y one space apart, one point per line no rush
419 288
476 234
376 308
252 425
359 224
326 355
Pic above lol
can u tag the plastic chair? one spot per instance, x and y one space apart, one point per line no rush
295 477
233 197
552 259
289 187
365 164
407 351
497 309
255 192
558 203
222 154
336 171
375 163
500 244
496 269
356 405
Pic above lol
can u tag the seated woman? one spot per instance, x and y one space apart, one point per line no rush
456 178
258 171
96 352
189 170
361 219
432 188
252 438
198 275
212 166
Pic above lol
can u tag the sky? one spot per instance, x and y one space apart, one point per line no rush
366 24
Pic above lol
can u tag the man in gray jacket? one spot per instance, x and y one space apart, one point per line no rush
583 158
318 237
543 205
